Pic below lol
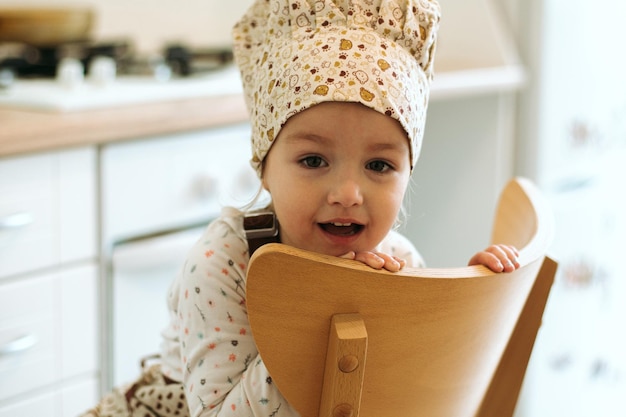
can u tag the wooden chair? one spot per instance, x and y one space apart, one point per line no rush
341 339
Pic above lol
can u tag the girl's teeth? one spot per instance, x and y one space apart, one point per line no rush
342 224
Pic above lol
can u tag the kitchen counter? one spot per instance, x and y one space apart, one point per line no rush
25 131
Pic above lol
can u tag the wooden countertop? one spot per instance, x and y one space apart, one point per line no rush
23 131
26 131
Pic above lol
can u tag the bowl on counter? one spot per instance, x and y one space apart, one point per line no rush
45 26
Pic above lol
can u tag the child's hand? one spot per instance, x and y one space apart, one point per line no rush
377 260
498 258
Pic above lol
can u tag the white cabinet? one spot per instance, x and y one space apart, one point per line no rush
48 284
37 405
66 401
170 181
47 210
158 194
27 337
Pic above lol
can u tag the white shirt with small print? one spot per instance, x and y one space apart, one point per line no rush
208 343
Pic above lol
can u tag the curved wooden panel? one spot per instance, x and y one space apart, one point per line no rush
436 337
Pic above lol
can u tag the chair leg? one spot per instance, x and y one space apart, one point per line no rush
345 367
502 395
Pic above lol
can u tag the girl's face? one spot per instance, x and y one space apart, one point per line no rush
337 175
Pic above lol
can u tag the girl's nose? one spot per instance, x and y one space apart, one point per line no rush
346 192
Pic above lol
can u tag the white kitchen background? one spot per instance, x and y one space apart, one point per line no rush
572 140
562 122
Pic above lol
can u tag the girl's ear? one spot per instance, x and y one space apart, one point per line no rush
264 183
264 176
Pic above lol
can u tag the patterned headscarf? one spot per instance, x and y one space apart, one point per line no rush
294 54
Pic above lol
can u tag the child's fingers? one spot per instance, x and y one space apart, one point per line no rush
488 259
507 255
498 258
370 259
392 263
511 253
402 262
378 260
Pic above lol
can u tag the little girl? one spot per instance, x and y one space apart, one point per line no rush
337 92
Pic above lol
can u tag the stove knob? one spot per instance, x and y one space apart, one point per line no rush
102 70
70 73
7 78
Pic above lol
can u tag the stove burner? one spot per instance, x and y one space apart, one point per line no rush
28 61
185 61
14 55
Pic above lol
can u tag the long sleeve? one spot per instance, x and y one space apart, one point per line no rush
221 370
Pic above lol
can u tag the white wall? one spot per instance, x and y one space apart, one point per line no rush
572 140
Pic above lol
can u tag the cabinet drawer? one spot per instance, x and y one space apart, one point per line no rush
47 210
40 405
47 330
27 326
175 180
78 398
60 401
28 227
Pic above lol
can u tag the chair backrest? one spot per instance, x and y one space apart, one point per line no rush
440 342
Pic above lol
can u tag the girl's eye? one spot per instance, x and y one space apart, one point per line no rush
313 162
378 166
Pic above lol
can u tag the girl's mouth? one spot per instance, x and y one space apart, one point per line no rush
341 229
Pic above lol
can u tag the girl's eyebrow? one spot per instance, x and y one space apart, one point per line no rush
306 136
383 146
380 145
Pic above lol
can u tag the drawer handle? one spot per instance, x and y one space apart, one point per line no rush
16 221
19 345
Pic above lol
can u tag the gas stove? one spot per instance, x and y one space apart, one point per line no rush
84 75
36 61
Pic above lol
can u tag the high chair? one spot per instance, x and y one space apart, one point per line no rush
343 340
